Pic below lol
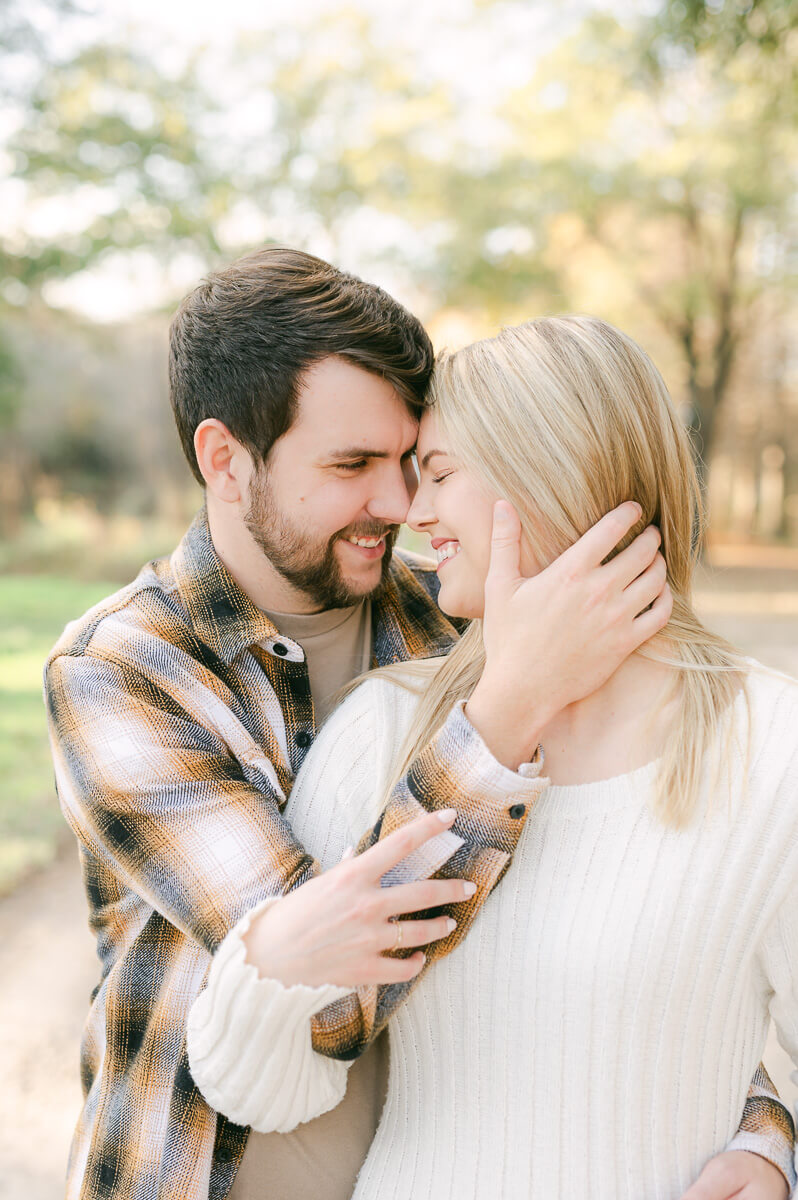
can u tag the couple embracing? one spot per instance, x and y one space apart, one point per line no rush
508 920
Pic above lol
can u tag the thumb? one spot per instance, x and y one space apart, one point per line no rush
505 545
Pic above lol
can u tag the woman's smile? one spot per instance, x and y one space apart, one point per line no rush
445 548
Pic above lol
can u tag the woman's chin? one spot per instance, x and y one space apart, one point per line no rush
460 606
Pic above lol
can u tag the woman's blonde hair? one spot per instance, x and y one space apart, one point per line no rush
566 418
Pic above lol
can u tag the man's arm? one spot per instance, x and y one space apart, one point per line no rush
199 834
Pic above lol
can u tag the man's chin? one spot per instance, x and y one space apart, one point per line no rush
368 579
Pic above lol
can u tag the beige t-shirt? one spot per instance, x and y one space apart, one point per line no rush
320 1160
337 645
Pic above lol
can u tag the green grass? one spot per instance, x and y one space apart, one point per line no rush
33 612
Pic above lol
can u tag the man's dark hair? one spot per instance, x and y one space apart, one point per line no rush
242 340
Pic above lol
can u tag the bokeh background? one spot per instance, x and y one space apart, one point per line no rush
484 160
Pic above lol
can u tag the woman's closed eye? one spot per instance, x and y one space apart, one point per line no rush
439 478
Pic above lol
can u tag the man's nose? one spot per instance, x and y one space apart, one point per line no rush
392 501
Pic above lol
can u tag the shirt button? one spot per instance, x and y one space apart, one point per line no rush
517 811
303 738
279 648
224 1154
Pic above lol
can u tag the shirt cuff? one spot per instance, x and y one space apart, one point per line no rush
457 770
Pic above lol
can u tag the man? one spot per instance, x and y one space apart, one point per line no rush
182 707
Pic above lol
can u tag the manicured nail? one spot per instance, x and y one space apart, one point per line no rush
639 508
446 815
500 513
350 850
451 924
469 888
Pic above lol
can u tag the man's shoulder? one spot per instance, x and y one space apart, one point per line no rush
147 604
406 564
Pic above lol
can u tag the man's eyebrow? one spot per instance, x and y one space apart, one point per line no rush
431 454
362 452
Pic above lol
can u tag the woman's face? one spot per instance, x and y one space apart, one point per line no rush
456 511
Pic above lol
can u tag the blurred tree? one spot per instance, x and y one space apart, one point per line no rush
116 142
668 144
104 156
683 171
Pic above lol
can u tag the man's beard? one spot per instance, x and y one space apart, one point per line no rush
311 567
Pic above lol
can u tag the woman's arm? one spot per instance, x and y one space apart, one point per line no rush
766 1130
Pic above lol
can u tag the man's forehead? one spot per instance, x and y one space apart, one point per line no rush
342 417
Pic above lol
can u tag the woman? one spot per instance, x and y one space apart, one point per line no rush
653 900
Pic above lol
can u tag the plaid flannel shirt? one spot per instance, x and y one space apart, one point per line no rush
179 717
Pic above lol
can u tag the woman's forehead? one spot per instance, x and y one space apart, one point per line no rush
428 434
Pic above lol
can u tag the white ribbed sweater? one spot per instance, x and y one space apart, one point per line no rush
596 1032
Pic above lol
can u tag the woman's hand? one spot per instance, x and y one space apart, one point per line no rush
336 927
741 1175
559 635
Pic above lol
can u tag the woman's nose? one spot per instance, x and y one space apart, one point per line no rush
420 514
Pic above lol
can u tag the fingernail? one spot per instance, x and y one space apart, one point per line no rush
469 888
639 508
446 815
500 513
451 924
350 850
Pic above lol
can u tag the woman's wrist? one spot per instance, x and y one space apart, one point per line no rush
506 729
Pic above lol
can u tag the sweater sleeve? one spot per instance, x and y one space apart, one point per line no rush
770 1131
250 1039
249 1047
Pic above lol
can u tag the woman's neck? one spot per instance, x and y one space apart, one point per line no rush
618 728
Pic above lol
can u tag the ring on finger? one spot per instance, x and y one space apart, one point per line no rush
399 932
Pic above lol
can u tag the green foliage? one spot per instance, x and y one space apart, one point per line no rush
106 132
10 385
726 26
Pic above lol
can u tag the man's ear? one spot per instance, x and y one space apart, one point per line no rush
225 464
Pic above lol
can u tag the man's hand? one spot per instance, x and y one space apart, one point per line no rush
736 1173
336 927
557 637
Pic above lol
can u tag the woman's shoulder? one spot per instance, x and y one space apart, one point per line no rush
773 695
773 708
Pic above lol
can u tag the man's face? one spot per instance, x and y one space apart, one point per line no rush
342 473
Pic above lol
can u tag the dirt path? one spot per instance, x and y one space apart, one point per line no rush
47 964
47 968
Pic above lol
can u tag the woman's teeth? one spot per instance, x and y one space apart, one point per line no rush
447 551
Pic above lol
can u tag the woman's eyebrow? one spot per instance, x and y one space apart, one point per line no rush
431 454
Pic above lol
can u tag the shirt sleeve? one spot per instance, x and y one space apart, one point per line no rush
188 826
198 831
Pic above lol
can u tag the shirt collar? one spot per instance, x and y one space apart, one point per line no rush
407 621
222 615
